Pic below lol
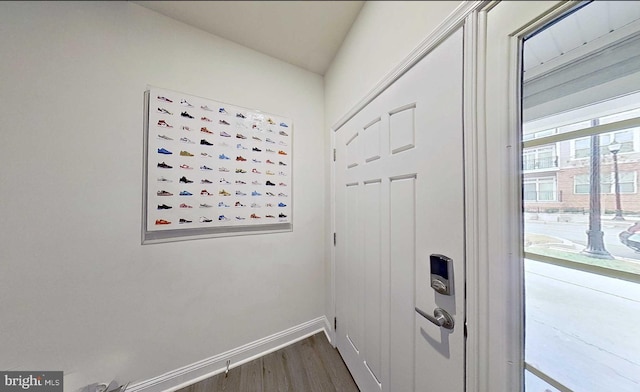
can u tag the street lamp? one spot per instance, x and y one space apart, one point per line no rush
614 148
595 235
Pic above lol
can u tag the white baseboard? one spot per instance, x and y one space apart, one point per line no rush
190 374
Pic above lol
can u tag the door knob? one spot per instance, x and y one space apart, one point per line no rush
440 317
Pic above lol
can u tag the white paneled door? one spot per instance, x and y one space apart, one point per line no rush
399 199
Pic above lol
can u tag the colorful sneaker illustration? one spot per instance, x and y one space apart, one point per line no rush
164 124
283 133
162 222
269 161
222 205
204 192
269 216
282 143
270 121
184 102
162 179
205 107
255 182
255 205
269 183
238 204
240 218
204 142
240 182
205 130
185 205
224 193
282 194
205 181
222 156
282 163
185 154
281 215
269 194
185 193
282 184
268 205
223 218
205 155
284 125
184 221
256 138
223 181
223 122
221 110
240 193
254 216
269 141
164 151
270 173
282 174
255 193
223 169
224 134
256 171
240 158
256 161
281 204
164 111
240 136
240 115
185 167
164 207
256 149
164 137
164 166
187 115
204 219
206 119
239 146
186 140
205 205
185 180
164 99
203 167
282 152
186 128
240 171
270 150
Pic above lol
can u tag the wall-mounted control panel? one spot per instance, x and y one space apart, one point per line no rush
441 273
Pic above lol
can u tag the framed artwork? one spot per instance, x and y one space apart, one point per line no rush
213 169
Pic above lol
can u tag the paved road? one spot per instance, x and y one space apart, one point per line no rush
575 232
582 328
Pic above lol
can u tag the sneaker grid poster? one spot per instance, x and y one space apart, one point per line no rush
213 168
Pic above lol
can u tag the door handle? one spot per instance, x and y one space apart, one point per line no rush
440 317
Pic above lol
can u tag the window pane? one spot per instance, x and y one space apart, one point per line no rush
535 384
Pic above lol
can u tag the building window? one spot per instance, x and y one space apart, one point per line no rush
539 158
626 139
539 189
607 183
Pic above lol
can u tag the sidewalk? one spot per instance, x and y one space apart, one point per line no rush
579 218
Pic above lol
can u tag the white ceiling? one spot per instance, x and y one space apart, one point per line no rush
303 33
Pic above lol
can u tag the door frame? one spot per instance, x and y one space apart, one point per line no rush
493 282
465 16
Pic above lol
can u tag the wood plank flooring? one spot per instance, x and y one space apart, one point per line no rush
310 365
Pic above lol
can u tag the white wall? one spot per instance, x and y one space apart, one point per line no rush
77 290
383 35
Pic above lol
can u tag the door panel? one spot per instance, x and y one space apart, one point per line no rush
400 198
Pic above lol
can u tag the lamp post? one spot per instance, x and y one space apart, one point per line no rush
595 235
614 148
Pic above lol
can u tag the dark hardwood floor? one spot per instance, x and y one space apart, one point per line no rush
310 365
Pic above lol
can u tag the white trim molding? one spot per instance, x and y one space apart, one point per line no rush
198 371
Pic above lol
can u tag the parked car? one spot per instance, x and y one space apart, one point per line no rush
631 237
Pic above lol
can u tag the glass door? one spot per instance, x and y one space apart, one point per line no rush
581 201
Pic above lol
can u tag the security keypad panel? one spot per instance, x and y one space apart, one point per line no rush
441 273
